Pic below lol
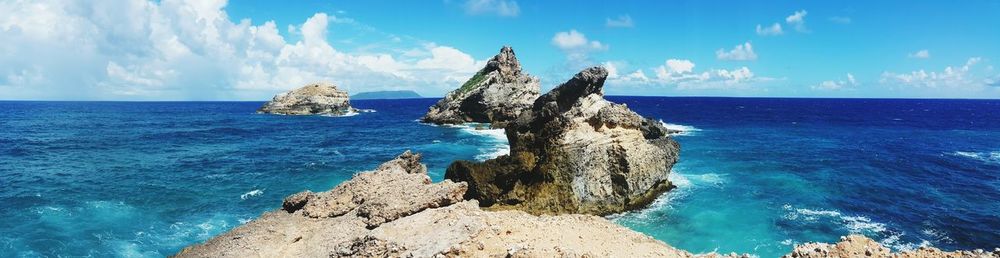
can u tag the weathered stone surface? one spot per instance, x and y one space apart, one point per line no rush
496 94
574 152
312 99
861 246
448 230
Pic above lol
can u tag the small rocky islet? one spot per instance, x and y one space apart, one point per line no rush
573 155
312 99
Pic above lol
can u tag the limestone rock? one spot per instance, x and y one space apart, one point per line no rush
861 246
415 224
496 94
312 99
575 152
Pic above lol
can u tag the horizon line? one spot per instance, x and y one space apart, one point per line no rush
434 97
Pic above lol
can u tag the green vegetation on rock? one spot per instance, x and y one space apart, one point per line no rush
472 82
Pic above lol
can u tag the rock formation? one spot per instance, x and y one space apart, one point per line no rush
312 99
574 152
395 211
860 246
496 94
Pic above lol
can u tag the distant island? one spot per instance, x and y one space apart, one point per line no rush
388 94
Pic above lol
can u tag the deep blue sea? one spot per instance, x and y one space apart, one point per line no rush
757 175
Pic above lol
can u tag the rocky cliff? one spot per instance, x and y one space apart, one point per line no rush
496 94
860 246
574 152
395 211
312 99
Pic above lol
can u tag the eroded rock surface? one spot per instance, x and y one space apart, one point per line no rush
860 246
575 152
312 99
417 218
496 94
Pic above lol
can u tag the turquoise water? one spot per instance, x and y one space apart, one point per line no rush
756 175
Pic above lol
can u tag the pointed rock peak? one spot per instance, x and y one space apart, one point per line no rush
506 62
586 82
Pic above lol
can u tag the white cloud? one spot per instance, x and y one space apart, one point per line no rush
682 74
495 7
951 77
635 77
624 21
742 52
186 49
773 30
840 19
798 20
921 54
576 45
837 85
674 67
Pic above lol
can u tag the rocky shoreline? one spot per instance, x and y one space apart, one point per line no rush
573 156
395 211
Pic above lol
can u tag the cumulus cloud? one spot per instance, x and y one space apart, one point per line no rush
773 30
624 21
951 77
681 72
837 85
920 54
576 45
187 49
495 7
742 52
798 20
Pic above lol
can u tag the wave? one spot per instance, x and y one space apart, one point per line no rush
989 157
685 184
496 138
682 130
853 224
254 193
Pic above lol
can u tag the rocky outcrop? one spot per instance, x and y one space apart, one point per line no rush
395 211
860 246
496 94
574 152
312 99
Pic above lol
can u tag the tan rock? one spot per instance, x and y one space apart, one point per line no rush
861 246
418 225
496 94
575 152
312 99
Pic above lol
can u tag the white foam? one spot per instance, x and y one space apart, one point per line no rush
684 183
497 137
854 225
989 157
254 193
684 130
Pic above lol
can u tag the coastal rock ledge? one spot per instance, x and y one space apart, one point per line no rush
574 152
395 211
496 94
312 99
861 246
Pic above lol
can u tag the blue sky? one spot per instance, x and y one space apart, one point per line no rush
250 50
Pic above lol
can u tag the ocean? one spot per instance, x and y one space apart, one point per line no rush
757 175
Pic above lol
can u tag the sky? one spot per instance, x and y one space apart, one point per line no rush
254 49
